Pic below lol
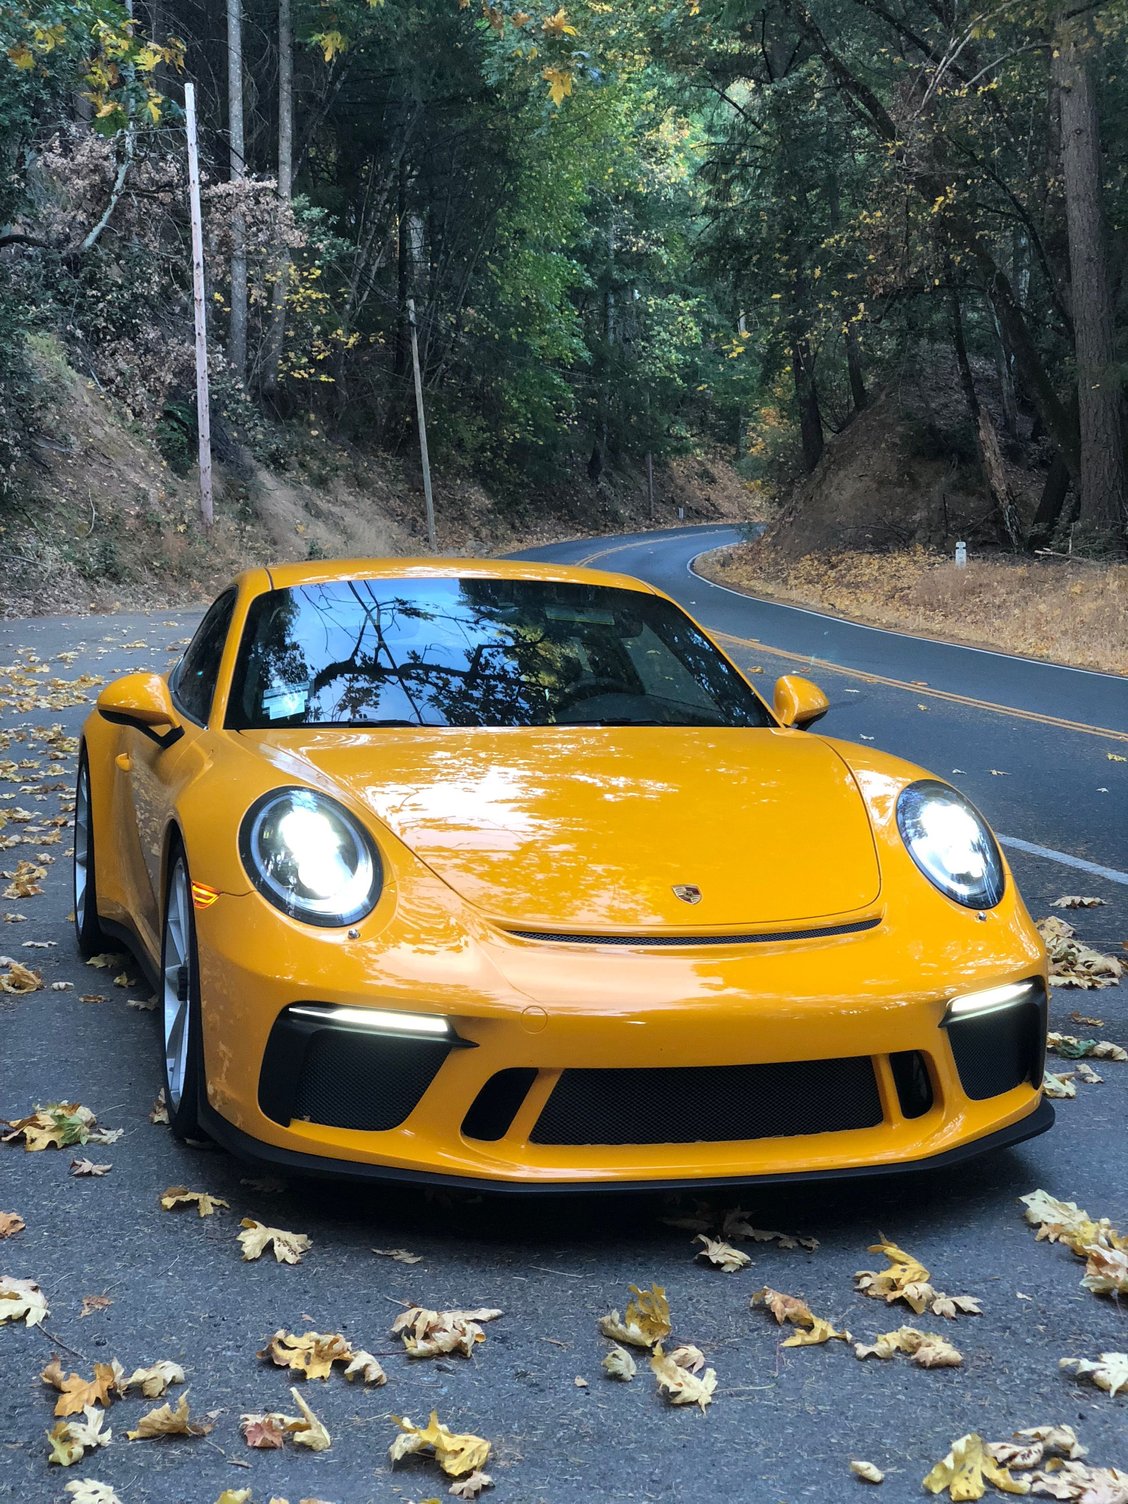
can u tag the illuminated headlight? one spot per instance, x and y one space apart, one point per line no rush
378 1020
949 841
990 1000
309 857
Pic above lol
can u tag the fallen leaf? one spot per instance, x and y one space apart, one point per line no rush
735 1224
456 1453
312 1354
92 1303
308 1431
21 1300
366 1367
1073 1048
618 1364
154 1380
165 1421
60 1125
143 1005
679 1385
1076 901
1060 1086
1110 1373
205 1203
10 1224
1115 757
907 1279
1106 1271
88 1167
1056 1440
19 979
105 959
265 1432
431 1334
288 1246
723 1255
400 1255
967 1469
580 1383
75 1392
924 1348
234 1496
1091 1023
812 1330
70 1440
647 1321
90 1491
158 1113
1072 963
867 1472
470 1488
689 1357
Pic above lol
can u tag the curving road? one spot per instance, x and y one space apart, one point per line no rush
784 1422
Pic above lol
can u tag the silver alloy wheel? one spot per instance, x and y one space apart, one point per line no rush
176 956
82 853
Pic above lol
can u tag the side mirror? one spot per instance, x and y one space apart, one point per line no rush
143 702
798 702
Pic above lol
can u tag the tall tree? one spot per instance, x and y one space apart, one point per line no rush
277 331
237 342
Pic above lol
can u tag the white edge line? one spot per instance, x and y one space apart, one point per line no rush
1063 857
964 647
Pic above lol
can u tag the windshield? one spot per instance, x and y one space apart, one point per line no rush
479 652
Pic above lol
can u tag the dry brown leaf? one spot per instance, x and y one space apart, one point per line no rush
158 1113
867 1472
907 1279
21 1300
618 1364
1106 1271
165 1421
1060 1087
458 1454
431 1334
65 1450
1086 1021
925 1349
1075 901
735 1224
288 1246
10 1224
1077 1481
647 1320
367 1368
19 979
722 1255
88 1167
266 1432
205 1203
105 959
75 1392
92 1303
811 1331
1109 1373
312 1354
1057 1441
90 1491
308 1431
471 1487
1073 1048
401 1255
70 1440
689 1357
154 1380
967 1469
679 1385
60 1125
1073 963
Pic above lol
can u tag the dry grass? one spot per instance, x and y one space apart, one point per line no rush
1066 611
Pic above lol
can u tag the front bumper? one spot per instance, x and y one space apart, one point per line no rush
537 1016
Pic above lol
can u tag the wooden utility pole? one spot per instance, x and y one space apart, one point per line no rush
203 415
415 236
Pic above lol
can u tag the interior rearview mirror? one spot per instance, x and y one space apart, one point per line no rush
142 701
797 702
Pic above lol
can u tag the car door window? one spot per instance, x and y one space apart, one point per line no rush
193 683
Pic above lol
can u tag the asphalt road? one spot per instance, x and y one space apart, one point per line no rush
784 1422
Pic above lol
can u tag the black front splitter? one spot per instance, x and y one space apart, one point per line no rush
252 1150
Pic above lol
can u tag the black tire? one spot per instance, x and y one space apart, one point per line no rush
178 1003
88 932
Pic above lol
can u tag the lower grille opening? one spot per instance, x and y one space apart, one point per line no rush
913 1083
497 1104
342 1077
995 1052
709 1104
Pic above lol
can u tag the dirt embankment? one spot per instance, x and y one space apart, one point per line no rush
100 520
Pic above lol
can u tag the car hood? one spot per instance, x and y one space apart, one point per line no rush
591 829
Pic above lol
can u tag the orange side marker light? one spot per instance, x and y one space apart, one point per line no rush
202 896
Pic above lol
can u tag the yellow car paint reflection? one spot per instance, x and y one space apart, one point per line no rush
599 949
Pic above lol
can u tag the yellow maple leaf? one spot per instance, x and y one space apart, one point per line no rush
647 1320
22 56
332 44
967 1469
558 25
456 1452
313 1353
165 1421
288 1246
205 1203
75 1392
559 82
679 1385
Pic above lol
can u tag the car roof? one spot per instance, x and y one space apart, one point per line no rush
324 571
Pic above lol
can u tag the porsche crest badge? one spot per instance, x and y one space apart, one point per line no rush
687 892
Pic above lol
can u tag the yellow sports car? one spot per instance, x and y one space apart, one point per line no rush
503 873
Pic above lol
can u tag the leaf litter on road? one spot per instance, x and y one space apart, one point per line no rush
257 1238
907 1279
811 1330
647 1319
433 1334
457 1453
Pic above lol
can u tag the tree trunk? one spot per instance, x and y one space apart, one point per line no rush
281 268
986 439
854 369
807 400
237 340
1046 518
1102 514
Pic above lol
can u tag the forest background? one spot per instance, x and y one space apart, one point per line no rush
794 236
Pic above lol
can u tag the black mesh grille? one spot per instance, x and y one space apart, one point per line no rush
709 1104
765 937
496 1105
995 1052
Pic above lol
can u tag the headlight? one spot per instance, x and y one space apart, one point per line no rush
309 857
951 844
